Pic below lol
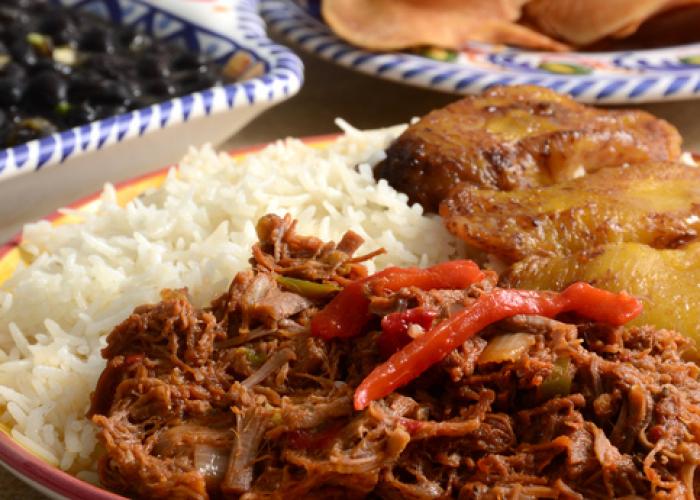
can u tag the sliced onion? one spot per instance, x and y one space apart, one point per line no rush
273 364
508 347
210 462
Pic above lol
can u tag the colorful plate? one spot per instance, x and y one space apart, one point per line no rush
605 77
33 470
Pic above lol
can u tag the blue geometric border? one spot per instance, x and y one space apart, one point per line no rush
282 78
638 76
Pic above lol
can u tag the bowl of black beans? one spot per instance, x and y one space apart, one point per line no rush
81 77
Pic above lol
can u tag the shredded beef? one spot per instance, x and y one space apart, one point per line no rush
238 400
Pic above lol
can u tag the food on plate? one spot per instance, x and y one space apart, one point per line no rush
62 67
583 22
407 383
382 365
666 280
401 24
76 281
657 204
518 137
275 389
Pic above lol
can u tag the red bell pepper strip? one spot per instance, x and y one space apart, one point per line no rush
348 312
395 328
454 274
430 348
345 315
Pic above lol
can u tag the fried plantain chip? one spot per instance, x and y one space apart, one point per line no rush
657 204
517 137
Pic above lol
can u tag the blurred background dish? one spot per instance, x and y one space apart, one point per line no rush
227 32
611 76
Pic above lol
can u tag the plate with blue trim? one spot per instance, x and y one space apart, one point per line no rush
222 30
615 77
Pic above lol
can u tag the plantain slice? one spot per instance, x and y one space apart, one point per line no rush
517 137
665 280
656 203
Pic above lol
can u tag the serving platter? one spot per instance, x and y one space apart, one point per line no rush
21 462
671 73
221 29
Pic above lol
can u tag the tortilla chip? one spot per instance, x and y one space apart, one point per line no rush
401 24
603 18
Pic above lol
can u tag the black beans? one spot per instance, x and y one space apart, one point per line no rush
10 92
153 66
113 93
189 61
80 113
107 110
22 52
45 91
60 27
97 40
13 71
160 88
63 67
29 129
13 16
44 65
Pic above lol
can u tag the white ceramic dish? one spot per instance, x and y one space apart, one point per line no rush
670 73
53 170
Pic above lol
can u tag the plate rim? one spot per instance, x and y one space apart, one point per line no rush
290 20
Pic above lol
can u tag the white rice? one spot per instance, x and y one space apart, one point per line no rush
194 231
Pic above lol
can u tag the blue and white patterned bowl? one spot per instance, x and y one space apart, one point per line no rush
603 77
219 28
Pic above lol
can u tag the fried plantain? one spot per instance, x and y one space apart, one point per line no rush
656 203
518 137
665 280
